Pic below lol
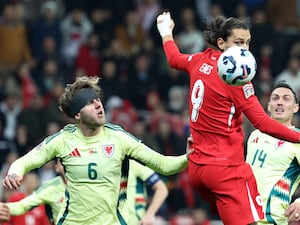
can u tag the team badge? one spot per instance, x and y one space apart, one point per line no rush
108 150
248 90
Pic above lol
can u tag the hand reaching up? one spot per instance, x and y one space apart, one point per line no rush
165 24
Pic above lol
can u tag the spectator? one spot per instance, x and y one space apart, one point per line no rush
112 83
291 74
190 38
156 61
89 57
27 84
49 51
6 146
11 108
75 28
263 83
141 130
121 112
141 81
147 11
35 118
51 102
262 33
169 142
103 20
12 31
169 79
289 23
50 74
47 25
117 53
177 99
22 140
130 33
153 101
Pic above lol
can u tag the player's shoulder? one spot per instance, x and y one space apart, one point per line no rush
113 127
208 56
117 130
61 134
255 133
69 128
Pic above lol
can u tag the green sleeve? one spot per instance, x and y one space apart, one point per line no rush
166 165
35 158
24 205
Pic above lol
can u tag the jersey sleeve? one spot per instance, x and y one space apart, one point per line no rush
35 158
166 165
24 205
144 173
38 197
175 59
49 193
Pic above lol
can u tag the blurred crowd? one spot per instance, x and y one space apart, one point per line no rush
46 44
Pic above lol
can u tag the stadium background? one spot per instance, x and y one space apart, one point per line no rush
45 44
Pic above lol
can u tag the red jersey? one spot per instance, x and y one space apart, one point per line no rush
216 110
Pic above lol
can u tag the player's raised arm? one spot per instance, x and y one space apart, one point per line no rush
165 26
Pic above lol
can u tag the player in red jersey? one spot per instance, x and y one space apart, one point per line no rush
217 167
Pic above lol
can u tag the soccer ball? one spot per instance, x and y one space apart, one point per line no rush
236 66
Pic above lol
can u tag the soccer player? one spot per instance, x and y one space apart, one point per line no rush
136 208
217 167
93 153
50 193
275 162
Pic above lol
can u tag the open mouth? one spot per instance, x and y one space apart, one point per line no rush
279 110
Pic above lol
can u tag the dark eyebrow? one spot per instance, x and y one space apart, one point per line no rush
277 95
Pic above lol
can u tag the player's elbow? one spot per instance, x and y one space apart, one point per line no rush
161 188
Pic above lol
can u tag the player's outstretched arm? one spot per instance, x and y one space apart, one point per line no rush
160 194
4 213
12 181
165 26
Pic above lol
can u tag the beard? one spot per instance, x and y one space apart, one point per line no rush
92 122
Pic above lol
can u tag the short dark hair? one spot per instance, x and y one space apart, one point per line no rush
283 84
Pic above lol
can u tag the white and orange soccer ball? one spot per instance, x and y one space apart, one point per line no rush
237 66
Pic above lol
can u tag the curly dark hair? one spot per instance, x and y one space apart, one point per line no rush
221 27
